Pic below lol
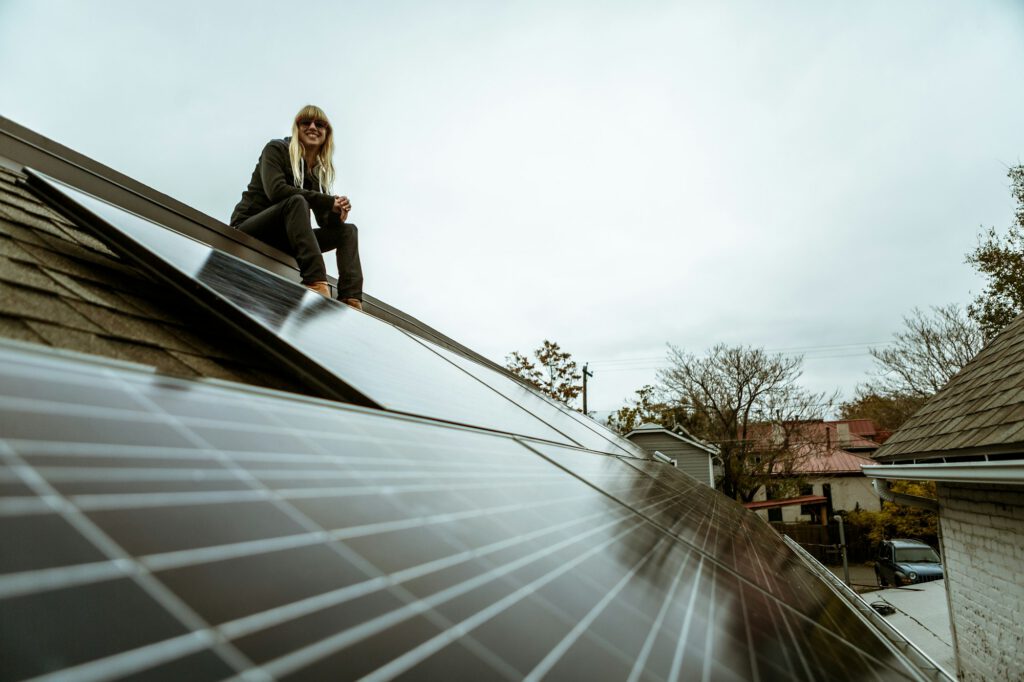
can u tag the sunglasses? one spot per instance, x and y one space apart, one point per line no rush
318 122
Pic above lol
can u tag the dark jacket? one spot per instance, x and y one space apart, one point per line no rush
272 182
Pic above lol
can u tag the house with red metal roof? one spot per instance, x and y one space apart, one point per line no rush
826 465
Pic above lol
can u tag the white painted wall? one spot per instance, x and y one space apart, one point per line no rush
983 553
847 493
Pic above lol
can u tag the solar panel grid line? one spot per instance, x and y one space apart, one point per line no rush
246 625
645 650
751 647
906 671
193 556
24 506
765 576
766 573
410 658
717 561
114 450
140 576
202 550
554 608
44 579
677 658
709 639
262 620
300 515
61 474
788 607
556 653
314 652
176 499
793 638
50 406
134 661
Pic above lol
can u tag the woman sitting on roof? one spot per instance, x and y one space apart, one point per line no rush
293 176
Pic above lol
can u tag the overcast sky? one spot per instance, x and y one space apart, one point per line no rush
609 175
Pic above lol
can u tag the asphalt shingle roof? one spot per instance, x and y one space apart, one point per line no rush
61 287
980 410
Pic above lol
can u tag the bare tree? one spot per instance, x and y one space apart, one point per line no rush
750 406
926 353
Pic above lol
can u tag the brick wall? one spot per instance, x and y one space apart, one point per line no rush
983 551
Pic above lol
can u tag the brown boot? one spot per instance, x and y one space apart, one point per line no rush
322 288
353 303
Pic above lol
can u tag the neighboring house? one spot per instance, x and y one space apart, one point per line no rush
969 439
828 464
691 455
208 472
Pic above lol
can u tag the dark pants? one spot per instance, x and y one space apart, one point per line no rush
285 225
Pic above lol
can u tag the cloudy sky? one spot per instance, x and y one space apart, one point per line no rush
610 175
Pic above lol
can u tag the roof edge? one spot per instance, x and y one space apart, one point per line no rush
710 449
1006 472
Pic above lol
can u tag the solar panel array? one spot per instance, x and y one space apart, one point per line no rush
185 530
160 528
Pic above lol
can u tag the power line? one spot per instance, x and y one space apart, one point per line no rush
658 362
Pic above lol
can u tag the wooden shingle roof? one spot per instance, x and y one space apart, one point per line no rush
979 412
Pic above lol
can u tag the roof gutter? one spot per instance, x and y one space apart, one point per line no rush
1007 472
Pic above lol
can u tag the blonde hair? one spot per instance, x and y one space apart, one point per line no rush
324 170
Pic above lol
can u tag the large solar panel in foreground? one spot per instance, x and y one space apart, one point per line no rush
165 529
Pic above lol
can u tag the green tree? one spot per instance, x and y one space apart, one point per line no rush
748 403
1000 260
898 521
554 373
649 406
886 411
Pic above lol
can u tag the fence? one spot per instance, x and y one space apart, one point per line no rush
822 542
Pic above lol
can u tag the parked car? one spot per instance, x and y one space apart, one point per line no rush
904 562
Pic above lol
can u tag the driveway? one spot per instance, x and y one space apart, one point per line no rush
922 615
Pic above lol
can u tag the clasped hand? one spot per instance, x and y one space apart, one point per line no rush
342 206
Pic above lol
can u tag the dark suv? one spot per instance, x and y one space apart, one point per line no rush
903 562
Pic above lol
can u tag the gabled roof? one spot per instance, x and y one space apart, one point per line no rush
979 412
649 428
821 461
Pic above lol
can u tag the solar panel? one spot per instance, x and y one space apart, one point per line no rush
585 431
370 358
161 527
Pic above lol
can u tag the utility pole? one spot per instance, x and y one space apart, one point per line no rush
586 373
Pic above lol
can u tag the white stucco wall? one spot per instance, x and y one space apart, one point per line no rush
983 552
